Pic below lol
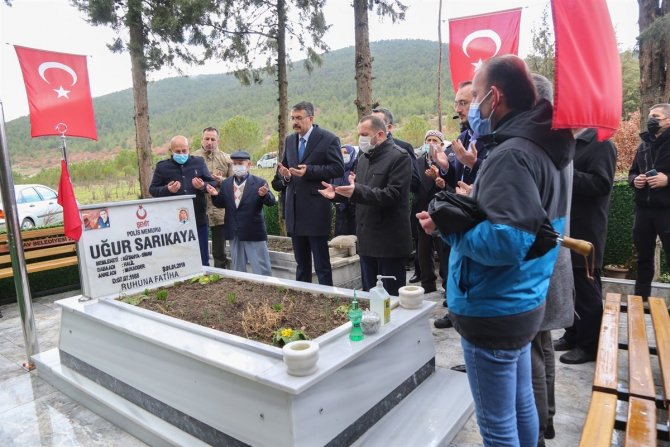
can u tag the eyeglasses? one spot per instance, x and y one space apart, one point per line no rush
299 118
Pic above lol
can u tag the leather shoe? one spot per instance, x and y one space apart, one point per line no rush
577 356
429 288
414 279
443 323
458 368
562 344
549 432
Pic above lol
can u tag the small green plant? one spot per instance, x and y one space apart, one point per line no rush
278 307
281 289
286 335
231 297
162 295
194 279
342 310
134 300
204 280
214 278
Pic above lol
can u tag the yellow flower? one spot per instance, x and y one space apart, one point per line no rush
287 332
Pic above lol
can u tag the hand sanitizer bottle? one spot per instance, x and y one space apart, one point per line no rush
355 315
380 301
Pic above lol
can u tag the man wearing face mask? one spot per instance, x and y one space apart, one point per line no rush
499 270
380 190
434 178
182 174
221 167
243 196
649 176
311 155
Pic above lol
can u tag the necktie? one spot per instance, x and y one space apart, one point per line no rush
301 149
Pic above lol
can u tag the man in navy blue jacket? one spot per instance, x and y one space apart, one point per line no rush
311 155
243 196
183 174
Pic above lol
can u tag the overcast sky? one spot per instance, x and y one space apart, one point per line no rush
55 25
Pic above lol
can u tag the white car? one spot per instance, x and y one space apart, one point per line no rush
268 160
37 205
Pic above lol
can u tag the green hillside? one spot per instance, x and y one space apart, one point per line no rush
405 73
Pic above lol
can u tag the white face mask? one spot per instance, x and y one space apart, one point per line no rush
365 144
346 158
239 170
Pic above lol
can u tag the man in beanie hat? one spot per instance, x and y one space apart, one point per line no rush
435 176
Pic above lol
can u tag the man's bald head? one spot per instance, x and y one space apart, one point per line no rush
179 145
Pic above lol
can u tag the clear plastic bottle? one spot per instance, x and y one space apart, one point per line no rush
355 315
380 300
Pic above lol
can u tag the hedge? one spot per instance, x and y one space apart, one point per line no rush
619 246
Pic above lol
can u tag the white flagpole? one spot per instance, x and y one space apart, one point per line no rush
15 243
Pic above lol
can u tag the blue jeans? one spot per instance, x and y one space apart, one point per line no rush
501 385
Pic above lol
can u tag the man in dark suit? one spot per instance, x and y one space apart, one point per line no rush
380 190
183 174
243 196
311 155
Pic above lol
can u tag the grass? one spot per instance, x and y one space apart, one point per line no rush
123 190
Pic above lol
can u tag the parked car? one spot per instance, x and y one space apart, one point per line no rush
37 206
268 160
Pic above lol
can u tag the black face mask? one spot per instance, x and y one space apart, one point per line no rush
653 125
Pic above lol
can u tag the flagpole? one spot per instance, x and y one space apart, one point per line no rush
15 244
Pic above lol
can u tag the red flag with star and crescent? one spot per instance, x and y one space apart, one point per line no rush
474 39
59 94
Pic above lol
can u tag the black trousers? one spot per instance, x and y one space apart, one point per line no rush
371 267
219 246
649 223
303 249
588 309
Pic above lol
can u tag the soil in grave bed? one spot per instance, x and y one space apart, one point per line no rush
245 308
282 245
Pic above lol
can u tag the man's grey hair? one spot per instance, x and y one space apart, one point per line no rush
388 116
663 106
543 87
306 106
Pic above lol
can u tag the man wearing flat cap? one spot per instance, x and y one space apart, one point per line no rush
243 196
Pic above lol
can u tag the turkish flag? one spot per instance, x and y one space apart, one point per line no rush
59 95
66 199
474 39
587 80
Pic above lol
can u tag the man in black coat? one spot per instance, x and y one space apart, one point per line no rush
593 177
311 155
649 176
183 174
380 190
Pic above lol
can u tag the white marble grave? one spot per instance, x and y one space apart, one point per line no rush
170 382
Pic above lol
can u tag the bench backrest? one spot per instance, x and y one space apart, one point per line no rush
37 245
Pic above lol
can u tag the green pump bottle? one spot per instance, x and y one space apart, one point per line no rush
355 315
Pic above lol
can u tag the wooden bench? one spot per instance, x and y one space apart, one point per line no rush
639 391
44 249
